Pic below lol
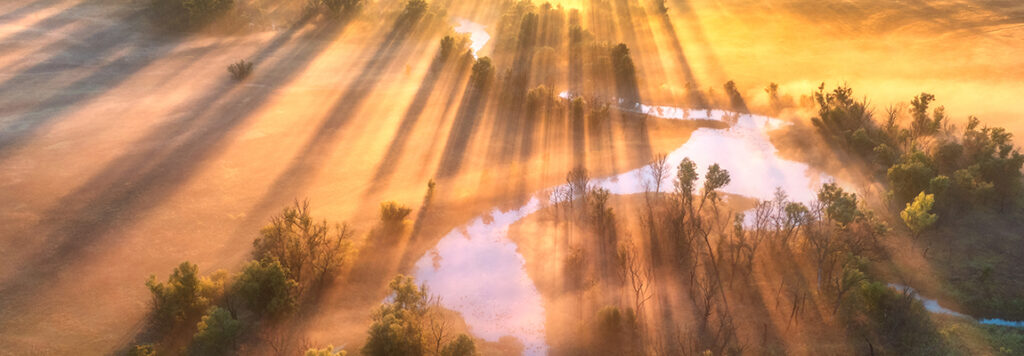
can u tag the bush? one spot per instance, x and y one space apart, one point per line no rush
240 70
216 333
266 288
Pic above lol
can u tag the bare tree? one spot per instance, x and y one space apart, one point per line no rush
638 274
437 326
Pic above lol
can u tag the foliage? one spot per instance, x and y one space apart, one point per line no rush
326 351
266 289
142 350
910 177
715 179
463 345
310 251
397 324
917 214
240 70
840 206
185 295
981 163
216 333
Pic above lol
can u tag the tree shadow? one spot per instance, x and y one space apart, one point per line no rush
137 182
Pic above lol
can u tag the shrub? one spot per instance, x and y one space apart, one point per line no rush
240 70
393 214
216 333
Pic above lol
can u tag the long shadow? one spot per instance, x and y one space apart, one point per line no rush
438 68
40 29
136 183
696 98
466 119
511 122
693 25
107 41
308 161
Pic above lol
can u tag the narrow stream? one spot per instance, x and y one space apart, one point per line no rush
932 306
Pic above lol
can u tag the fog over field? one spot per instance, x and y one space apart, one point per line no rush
460 177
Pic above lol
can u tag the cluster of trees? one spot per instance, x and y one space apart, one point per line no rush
976 166
411 322
835 233
294 257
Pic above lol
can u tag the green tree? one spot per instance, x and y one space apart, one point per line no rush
397 324
461 346
840 206
183 297
266 289
917 214
910 177
216 333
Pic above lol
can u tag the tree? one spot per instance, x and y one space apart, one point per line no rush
686 180
216 333
266 288
184 297
397 324
461 346
736 102
309 250
910 177
922 124
483 73
917 214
